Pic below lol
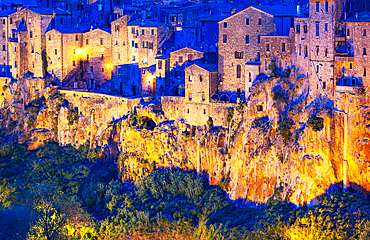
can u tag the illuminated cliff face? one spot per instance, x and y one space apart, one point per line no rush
272 141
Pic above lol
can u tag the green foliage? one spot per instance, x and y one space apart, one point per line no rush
230 114
209 123
260 123
316 123
72 116
240 107
284 129
44 62
139 121
274 70
280 95
5 87
286 73
225 181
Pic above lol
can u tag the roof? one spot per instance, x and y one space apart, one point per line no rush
165 56
359 17
193 49
141 23
69 30
208 67
7 13
214 18
278 10
47 11
273 10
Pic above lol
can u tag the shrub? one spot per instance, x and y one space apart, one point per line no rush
284 129
230 114
210 123
316 123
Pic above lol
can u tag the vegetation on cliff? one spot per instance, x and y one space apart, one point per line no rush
58 193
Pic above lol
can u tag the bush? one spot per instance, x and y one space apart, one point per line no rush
210 123
284 129
316 123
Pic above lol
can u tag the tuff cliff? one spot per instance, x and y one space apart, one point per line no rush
281 141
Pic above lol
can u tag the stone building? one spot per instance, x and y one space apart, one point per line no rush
4 53
26 39
162 73
179 60
239 43
64 52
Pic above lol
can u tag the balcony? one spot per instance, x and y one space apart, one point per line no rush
15 40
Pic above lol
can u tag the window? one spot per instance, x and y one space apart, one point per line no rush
324 85
305 28
326 52
300 50
259 108
225 24
136 46
101 16
305 50
31 34
259 39
143 44
49 38
102 56
102 69
87 41
258 56
87 57
118 56
247 21
317 29
76 37
123 43
283 47
247 39
364 33
15 64
259 21
317 50
317 68
32 49
101 41
151 45
75 85
239 55
326 27
4 48
347 32
180 59
190 98
204 111
133 44
152 31
190 78
74 63
15 49
317 6
92 68
200 78
364 51
224 38
238 71
250 77
203 99
3 34
159 64
3 21
116 43
350 66
364 72
55 51
143 32
11 20
326 6
190 57
188 110
298 28
268 48
133 31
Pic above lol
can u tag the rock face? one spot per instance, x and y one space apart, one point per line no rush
280 138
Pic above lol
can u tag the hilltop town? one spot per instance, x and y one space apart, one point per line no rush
207 53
